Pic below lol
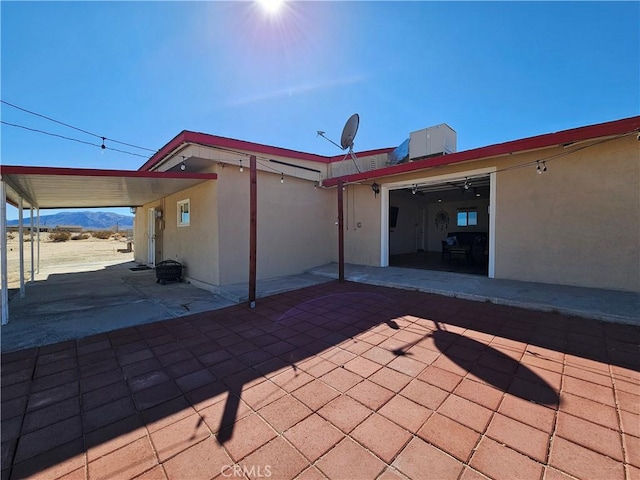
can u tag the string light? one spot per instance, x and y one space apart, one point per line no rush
414 189
241 167
281 177
103 146
183 166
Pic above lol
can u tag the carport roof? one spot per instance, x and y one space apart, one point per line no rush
47 187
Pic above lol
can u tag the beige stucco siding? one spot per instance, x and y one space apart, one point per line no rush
577 224
362 224
295 226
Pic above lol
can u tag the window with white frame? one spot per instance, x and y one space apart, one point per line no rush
467 217
184 213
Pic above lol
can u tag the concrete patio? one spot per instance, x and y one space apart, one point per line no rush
332 381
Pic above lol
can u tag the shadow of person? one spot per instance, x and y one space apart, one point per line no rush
490 366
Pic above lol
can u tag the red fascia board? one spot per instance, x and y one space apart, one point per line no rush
90 172
617 127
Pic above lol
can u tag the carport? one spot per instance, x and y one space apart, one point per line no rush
47 187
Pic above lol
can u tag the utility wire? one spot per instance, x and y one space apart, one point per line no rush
74 128
72 139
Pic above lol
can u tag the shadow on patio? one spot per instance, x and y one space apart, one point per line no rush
344 380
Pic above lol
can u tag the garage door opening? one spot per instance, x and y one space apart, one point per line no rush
443 226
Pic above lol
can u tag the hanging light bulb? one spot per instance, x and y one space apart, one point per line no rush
282 178
103 146
538 168
414 189
467 185
241 167
544 166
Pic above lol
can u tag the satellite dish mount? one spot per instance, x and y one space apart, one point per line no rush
346 140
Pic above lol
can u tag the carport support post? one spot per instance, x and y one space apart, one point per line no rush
3 253
340 232
253 228
33 266
21 244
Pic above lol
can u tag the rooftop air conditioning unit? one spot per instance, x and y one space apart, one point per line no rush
437 140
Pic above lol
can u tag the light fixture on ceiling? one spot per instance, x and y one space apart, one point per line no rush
183 166
241 167
467 185
475 190
281 177
414 189
540 169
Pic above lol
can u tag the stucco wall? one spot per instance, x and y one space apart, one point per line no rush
361 243
296 228
578 223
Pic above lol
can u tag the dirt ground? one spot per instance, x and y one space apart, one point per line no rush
60 254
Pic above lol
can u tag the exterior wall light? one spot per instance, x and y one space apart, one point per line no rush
375 188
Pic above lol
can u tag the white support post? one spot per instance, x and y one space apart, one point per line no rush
38 251
21 245
3 253
31 238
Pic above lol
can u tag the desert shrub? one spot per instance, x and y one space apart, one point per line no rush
10 236
102 234
80 236
60 236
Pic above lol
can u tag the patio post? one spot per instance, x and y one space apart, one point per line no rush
3 253
253 222
340 232
31 238
21 244
38 229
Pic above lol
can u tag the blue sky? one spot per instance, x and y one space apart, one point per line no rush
141 72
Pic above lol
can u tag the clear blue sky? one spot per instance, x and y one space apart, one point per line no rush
141 72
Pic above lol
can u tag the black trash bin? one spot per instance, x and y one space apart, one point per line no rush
168 270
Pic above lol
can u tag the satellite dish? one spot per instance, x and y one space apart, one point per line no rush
349 132
348 135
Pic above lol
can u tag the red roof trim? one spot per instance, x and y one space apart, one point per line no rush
617 127
90 172
208 140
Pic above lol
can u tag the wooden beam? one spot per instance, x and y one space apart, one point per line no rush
253 228
340 232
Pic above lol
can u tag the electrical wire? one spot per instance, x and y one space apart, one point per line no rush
35 130
74 128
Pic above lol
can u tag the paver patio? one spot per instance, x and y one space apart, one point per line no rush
333 381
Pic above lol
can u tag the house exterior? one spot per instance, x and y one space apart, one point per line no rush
560 208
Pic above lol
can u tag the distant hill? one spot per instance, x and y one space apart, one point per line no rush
86 220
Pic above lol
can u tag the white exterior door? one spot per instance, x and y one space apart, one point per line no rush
151 237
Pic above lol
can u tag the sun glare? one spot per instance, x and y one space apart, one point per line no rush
271 6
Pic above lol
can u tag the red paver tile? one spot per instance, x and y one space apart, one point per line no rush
262 394
418 458
520 437
553 474
479 393
589 410
499 462
424 394
379 355
204 460
220 414
381 436
50 396
391 379
108 413
167 413
370 394
423 355
345 413
440 378
466 412
406 413
207 395
591 391
534 415
112 437
39 441
582 462
156 395
313 436
126 462
315 394
156 473
311 473
195 380
245 436
284 413
52 463
49 415
355 346
633 473
630 423
341 379
629 402
407 365
276 459
457 366
290 379
450 436
179 436
632 449
471 474
589 435
350 460
362 366
316 366
337 355
79 474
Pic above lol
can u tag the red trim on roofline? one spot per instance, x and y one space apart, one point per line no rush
617 127
186 137
91 172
